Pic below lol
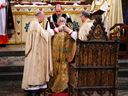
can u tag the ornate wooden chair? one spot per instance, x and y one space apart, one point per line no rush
121 34
94 71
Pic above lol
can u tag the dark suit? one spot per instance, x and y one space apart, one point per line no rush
54 17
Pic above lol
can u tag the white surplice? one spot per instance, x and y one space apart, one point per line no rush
38 63
2 19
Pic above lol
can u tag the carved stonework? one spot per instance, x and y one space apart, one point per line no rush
18 1
23 14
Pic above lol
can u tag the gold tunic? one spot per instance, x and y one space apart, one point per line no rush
61 53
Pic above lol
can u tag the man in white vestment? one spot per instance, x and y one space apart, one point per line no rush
116 15
38 62
87 23
103 5
112 12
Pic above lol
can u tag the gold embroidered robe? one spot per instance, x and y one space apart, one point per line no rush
62 52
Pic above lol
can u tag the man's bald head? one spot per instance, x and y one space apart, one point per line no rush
58 6
40 16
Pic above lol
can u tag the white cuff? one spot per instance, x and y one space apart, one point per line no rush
37 87
56 30
51 31
74 35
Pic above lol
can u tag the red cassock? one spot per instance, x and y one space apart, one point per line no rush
3 39
9 25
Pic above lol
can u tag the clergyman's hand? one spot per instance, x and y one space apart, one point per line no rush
68 30
61 28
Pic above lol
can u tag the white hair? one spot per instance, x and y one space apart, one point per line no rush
61 19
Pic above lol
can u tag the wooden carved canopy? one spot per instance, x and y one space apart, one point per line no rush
97 32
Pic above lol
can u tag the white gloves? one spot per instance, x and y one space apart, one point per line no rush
59 29
63 28
68 30
74 35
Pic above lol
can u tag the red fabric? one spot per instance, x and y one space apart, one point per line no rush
59 94
3 39
0 6
55 30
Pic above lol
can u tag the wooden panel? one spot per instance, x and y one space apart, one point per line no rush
122 35
93 53
95 68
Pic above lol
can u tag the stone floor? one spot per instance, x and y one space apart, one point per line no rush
13 47
12 60
123 93
13 88
20 92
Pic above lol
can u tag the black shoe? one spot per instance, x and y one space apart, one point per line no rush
66 90
36 94
3 45
33 93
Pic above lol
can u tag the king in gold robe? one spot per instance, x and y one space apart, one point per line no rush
63 50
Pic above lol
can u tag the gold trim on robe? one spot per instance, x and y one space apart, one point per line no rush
62 47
